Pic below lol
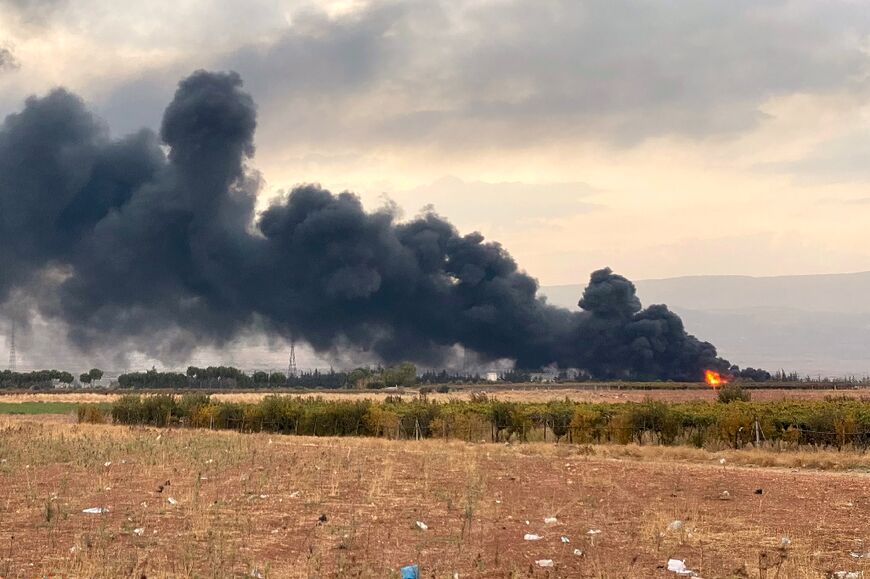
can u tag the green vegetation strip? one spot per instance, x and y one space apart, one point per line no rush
40 407
830 422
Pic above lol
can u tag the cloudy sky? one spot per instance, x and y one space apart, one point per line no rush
659 138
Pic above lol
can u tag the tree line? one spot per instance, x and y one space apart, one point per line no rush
830 422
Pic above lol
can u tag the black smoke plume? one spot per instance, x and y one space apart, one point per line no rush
155 238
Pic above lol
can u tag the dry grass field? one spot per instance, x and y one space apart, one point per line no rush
538 394
257 505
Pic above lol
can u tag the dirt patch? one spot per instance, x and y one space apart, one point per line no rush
299 507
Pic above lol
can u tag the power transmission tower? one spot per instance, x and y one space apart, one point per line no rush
291 368
12 357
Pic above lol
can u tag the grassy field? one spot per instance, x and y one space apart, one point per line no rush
38 407
250 505
538 394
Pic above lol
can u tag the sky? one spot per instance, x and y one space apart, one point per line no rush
658 138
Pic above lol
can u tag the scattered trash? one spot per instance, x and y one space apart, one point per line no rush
322 518
550 520
856 555
422 526
498 502
578 552
108 463
163 486
675 525
95 511
722 461
295 494
531 537
144 505
784 542
759 491
172 501
724 496
256 574
527 522
74 549
678 566
410 572
209 461
140 531
545 563
847 575
565 539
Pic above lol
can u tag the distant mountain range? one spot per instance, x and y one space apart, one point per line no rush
813 324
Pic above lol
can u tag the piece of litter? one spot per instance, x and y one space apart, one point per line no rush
847 574
95 511
527 522
593 532
545 563
679 567
140 531
675 525
410 572
784 542
74 549
531 537
209 461
172 501
422 526
578 552
565 539
498 502
856 555
256 574
107 463
721 461
295 494
550 520
725 496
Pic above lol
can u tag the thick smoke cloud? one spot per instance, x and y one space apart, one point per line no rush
125 242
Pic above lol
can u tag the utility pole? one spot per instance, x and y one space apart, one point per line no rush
12 356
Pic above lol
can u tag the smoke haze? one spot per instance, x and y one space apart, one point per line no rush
151 243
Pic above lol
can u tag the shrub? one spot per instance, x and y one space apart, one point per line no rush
128 410
91 414
732 392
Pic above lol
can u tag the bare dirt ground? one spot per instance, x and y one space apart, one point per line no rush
248 505
541 394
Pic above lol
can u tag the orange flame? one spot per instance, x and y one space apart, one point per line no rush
714 379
